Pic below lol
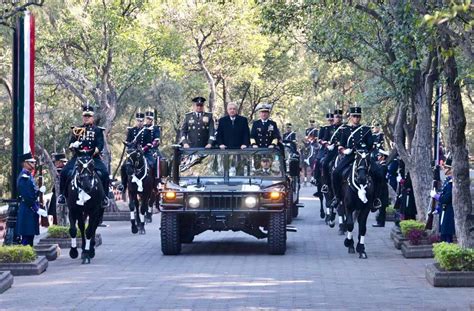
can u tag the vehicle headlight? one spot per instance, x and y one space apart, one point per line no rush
250 202
194 202
170 195
274 195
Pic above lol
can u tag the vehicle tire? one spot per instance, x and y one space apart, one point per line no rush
289 209
277 234
170 237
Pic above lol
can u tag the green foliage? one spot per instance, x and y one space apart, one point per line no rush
452 257
407 225
390 209
17 254
59 232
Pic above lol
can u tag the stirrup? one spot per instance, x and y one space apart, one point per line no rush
377 203
105 202
324 189
61 199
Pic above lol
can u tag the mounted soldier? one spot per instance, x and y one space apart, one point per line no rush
155 133
265 132
289 137
311 130
354 136
139 135
198 129
88 138
378 138
330 140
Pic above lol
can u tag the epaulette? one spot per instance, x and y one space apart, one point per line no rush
129 127
101 128
191 112
25 176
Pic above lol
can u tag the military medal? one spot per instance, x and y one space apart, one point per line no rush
205 119
270 127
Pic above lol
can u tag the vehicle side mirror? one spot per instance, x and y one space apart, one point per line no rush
294 168
164 168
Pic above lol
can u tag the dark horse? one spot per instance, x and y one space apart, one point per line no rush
358 191
84 199
139 185
329 196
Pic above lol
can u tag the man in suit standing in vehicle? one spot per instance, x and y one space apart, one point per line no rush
233 130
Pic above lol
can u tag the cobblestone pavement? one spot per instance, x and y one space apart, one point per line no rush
231 270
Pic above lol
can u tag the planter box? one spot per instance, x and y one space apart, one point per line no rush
30 268
398 239
440 278
390 217
116 216
395 231
6 280
50 251
417 251
66 242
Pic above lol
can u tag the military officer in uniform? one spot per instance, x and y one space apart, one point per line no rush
353 136
264 133
198 129
331 140
60 161
155 130
141 136
289 137
322 140
311 130
265 168
87 137
380 178
445 204
378 138
27 225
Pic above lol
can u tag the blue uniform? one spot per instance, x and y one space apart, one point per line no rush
27 222
446 211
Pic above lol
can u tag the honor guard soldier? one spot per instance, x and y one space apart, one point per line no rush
445 204
318 167
60 161
264 133
138 135
289 137
27 225
378 138
354 136
198 129
311 130
87 137
155 130
331 138
380 178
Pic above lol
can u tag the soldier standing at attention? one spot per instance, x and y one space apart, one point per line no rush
27 224
289 137
233 131
198 129
60 161
264 133
88 137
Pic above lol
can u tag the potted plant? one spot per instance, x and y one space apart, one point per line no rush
405 227
60 235
21 260
453 267
419 244
390 213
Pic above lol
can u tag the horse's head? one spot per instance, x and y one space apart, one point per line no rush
85 172
362 163
135 158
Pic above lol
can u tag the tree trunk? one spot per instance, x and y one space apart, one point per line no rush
462 201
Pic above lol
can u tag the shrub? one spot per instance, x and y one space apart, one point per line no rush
390 209
415 236
58 232
17 254
407 225
452 257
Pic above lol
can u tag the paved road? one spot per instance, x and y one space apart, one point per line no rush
232 271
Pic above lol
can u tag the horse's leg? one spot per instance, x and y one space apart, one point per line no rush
73 253
94 220
132 204
82 227
150 204
362 220
143 209
349 241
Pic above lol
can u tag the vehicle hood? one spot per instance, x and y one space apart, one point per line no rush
255 185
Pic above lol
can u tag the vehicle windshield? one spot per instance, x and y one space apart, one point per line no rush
236 163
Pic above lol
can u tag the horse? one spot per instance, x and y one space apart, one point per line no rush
84 195
139 185
329 196
358 192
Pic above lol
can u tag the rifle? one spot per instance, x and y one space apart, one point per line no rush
436 169
44 220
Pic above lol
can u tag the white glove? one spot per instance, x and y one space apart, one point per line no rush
347 151
42 189
399 178
331 147
75 144
41 212
433 193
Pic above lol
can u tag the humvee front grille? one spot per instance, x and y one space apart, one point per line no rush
221 202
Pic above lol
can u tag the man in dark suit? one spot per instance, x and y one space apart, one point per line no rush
233 130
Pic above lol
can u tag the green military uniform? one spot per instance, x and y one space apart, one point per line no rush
198 129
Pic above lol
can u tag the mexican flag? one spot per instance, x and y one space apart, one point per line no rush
23 87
